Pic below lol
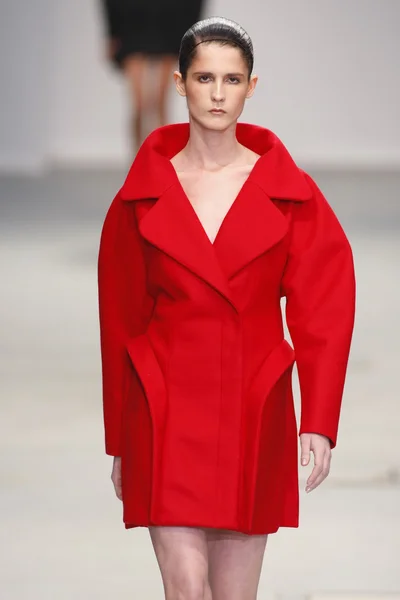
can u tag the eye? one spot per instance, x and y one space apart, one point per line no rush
203 78
233 80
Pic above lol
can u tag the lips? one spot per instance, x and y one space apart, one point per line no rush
217 111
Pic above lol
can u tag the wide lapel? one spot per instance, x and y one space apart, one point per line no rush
254 224
173 226
252 227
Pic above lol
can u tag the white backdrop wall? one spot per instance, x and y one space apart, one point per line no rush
329 81
26 82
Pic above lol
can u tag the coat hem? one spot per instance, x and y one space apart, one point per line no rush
164 523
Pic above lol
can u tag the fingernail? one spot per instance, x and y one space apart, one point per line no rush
303 462
308 490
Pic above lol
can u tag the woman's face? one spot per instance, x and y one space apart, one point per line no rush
216 79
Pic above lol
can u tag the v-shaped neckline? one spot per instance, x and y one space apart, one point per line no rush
228 212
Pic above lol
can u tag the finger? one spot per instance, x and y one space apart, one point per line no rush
321 477
324 473
305 450
320 474
317 470
117 485
318 466
118 489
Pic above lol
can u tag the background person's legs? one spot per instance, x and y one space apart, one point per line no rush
234 563
167 64
134 69
149 79
182 557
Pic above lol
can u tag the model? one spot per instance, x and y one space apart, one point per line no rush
214 224
143 39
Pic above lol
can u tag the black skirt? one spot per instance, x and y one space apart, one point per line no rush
149 27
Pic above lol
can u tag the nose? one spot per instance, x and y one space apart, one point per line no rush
218 92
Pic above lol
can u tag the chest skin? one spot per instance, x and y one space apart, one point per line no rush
213 193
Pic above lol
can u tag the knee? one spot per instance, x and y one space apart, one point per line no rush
189 590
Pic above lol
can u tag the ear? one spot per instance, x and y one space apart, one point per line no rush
179 83
252 86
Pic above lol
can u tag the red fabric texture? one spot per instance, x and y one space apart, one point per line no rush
197 391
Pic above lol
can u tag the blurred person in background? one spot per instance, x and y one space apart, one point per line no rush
143 34
214 224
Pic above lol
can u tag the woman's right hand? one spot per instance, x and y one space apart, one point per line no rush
116 476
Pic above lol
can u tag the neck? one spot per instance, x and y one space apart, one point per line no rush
210 150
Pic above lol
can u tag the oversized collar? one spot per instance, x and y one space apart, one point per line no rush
275 172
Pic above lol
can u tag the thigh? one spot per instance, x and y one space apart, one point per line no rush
135 69
165 79
182 555
235 562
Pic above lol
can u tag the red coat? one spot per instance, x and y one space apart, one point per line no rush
196 370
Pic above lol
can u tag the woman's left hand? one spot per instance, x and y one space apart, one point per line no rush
320 446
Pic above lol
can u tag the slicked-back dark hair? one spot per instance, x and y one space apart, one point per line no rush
214 30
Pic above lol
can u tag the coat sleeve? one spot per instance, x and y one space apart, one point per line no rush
319 285
122 308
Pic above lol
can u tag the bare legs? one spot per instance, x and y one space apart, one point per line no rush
167 64
206 564
148 82
235 562
182 557
134 70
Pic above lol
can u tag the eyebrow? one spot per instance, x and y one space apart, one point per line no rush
227 74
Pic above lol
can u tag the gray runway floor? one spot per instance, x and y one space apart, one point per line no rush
61 530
